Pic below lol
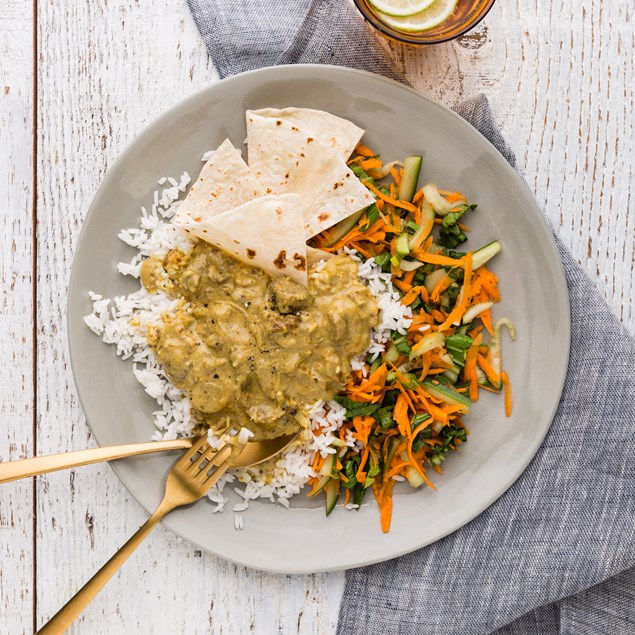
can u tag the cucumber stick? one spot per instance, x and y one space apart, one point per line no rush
344 226
475 311
451 375
320 485
414 478
403 245
438 202
447 394
328 467
411 170
484 254
427 223
392 354
427 343
332 490
327 471
432 279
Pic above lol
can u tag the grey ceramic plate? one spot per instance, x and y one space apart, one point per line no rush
398 122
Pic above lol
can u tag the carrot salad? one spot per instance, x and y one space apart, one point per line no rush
405 408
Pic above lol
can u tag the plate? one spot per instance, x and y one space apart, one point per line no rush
398 122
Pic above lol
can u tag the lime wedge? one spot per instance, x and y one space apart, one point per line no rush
439 11
401 8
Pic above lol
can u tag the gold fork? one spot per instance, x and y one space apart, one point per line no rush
188 481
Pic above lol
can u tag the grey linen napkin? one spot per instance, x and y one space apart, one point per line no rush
556 553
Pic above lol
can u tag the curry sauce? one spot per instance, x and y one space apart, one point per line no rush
255 352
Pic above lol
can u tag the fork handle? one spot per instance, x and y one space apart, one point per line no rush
14 470
71 610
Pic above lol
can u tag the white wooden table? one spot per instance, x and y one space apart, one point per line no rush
78 79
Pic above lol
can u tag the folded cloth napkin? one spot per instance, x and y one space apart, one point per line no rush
556 553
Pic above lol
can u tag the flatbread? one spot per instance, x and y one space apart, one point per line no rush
266 232
284 158
340 134
313 255
225 182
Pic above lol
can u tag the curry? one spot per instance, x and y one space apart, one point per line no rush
255 352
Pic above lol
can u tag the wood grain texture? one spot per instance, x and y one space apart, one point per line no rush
16 341
561 81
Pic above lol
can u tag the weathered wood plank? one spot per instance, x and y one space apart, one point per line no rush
104 72
16 343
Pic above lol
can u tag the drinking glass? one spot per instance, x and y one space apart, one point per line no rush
466 16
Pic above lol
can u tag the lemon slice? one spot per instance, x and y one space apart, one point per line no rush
439 11
401 8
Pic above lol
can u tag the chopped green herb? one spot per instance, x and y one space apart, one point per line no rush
449 436
383 416
372 214
451 237
457 346
356 408
410 381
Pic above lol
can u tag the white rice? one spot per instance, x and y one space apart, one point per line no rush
124 321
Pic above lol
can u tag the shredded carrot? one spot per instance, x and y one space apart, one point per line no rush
391 199
489 284
402 285
486 318
466 295
384 500
411 296
452 197
414 463
416 244
435 259
469 371
318 460
363 427
358 247
490 373
400 415
507 387
440 287
409 276
370 164
361 475
364 151
425 366
397 469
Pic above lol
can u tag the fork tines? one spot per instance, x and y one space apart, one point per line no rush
203 458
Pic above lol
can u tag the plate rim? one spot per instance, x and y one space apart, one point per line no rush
563 298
